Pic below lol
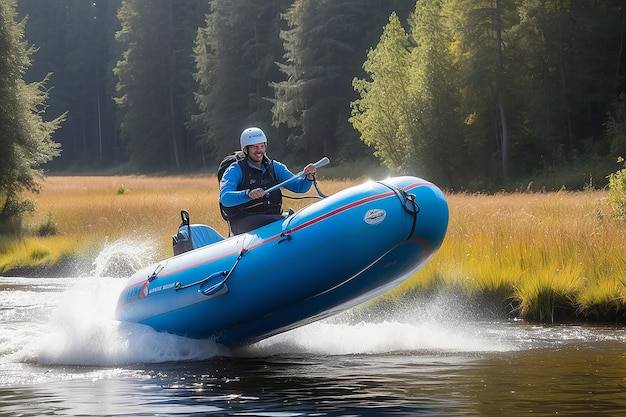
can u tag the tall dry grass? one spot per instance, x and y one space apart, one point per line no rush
89 211
550 255
553 256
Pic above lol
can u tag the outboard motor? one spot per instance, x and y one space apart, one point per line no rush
193 236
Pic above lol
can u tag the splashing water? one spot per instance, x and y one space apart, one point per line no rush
123 257
70 321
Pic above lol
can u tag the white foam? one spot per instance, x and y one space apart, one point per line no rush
376 338
80 330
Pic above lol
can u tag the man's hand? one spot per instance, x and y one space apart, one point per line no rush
256 193
310 169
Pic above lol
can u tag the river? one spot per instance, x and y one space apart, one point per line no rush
61 353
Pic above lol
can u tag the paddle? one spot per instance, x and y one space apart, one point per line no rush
318 164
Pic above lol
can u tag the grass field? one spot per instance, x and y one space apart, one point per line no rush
544 256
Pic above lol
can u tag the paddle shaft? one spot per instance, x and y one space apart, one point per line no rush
318 164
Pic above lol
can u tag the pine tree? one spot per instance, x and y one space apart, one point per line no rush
319 45
235 53
569 67
154 79
325 45
75 42
25 139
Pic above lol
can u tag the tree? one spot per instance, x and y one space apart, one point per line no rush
234 54
75 42
409 109
438 149
380 115
319 43
154 80
325 45
476 31
315 52
566 60
615 127
26 140
500 92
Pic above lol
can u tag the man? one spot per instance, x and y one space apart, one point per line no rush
243 199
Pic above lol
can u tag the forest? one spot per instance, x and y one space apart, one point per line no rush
468 94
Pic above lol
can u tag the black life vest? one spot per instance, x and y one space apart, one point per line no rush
254 178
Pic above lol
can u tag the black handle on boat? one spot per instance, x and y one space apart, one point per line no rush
318 164
217 288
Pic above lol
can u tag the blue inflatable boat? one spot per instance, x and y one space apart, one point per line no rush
321 260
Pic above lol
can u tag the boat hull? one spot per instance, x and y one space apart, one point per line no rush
322 260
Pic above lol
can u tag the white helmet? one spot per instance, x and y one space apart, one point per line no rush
252 136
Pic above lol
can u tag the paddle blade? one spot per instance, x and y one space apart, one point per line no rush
322 162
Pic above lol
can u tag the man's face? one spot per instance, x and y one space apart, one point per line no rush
256 151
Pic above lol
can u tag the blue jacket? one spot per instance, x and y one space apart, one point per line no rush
231 196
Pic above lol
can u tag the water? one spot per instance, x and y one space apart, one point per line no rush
61 353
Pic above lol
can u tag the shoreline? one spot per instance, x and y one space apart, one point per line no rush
479 306
67 267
